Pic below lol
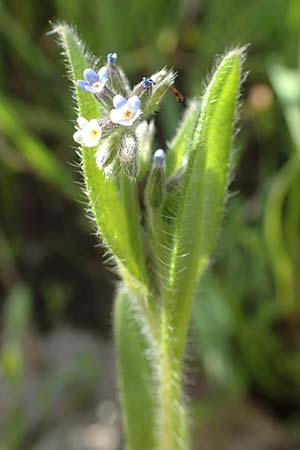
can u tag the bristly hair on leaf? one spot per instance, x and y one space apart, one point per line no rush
62 30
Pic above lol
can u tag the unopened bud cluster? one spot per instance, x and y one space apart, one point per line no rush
116 135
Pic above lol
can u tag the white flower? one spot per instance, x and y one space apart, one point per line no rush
88 133
126 111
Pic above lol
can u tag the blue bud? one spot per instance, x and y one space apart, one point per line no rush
112 58
159 158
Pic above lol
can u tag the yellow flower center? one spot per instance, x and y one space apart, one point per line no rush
94 132
96 85
127 114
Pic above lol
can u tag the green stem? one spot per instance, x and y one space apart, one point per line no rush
172 435
136 374
140 289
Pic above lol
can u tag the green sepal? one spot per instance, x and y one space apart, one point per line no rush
155 188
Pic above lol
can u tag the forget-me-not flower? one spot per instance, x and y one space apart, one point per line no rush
88 133
126 111
94 82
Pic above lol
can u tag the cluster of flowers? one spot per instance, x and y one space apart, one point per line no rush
124 112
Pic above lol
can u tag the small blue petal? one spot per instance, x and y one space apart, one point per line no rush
90 88
134 103
82 84
119 101
112 58
103 74
159 157
91 76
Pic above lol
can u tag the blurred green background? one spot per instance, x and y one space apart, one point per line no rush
57 385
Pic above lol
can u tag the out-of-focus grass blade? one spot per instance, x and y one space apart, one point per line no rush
16 317
22 43
281 261
286 83
41 118
43 161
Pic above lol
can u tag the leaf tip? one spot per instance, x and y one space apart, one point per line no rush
239 51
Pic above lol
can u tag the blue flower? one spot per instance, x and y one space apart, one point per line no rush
93 82
112 58
147 82
126 111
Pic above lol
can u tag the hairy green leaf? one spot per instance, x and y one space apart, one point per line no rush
203 193
119 230
179 146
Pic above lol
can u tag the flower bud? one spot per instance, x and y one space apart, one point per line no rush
132 169
155 189
145 135
159 159
128 155
106 153
113 169
116 76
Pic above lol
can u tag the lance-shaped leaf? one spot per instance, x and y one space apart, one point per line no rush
136 376
203 193
118 231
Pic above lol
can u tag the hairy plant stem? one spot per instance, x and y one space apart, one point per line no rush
139 289
172 435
